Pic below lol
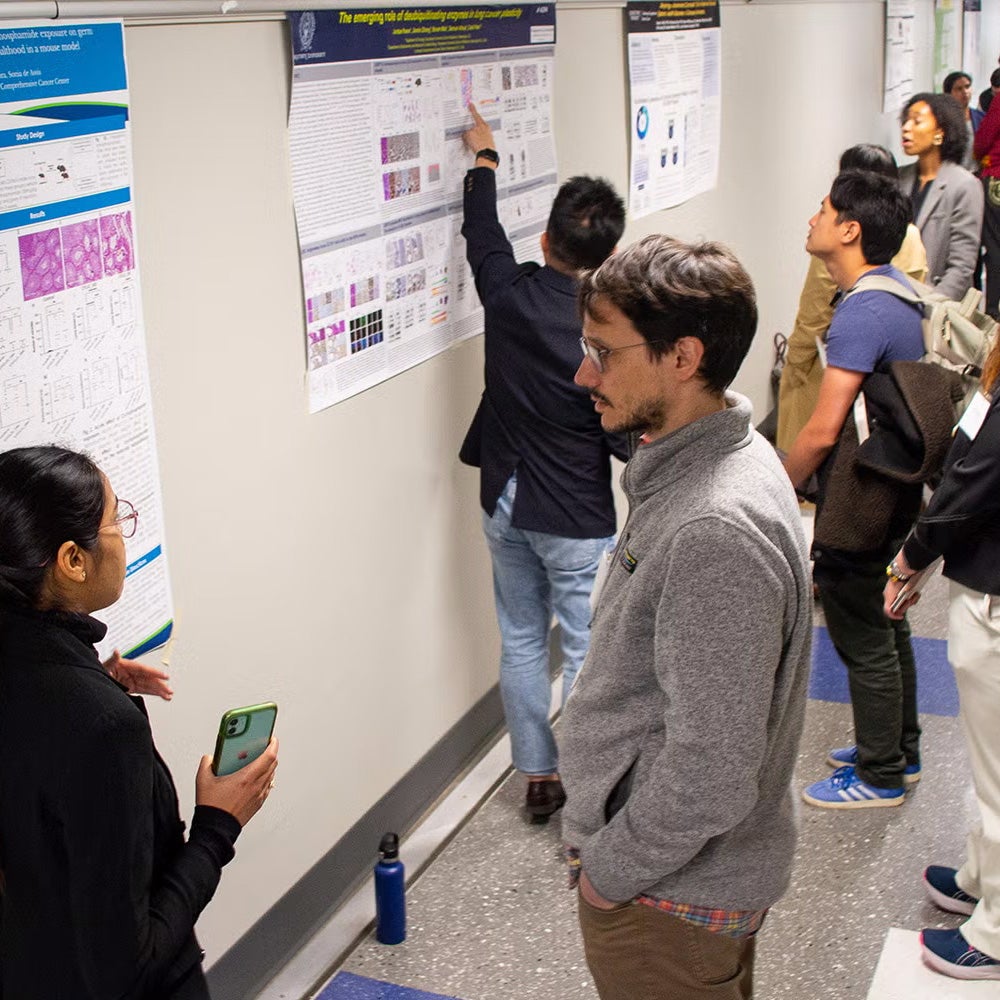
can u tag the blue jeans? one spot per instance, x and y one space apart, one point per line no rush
534 576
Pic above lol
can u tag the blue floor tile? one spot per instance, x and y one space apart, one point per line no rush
347 986
936 691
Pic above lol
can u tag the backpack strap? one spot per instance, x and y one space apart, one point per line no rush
883 283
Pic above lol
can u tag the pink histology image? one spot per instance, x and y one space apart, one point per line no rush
81 253
116 243
41 264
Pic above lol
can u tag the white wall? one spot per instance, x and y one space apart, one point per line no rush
334 562
330 562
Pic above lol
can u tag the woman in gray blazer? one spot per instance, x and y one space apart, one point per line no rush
947 199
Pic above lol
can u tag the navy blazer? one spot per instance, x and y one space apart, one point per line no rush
950 224
532 418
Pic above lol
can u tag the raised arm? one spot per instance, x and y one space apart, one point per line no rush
487 248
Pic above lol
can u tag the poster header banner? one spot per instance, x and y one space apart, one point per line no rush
673 15
45 62
379 33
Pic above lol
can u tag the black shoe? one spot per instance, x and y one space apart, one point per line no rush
544 798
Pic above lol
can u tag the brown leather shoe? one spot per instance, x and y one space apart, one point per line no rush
544 797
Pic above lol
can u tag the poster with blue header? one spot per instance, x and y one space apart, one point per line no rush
73 366
380 100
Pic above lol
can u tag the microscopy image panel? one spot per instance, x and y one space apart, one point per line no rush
117 247
81 252
401 183
400 147
41 263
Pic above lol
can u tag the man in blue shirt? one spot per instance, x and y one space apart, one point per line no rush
545 473
857 231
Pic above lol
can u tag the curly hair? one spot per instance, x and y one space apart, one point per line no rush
949 118
670 289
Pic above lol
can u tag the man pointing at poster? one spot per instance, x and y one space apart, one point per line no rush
545 473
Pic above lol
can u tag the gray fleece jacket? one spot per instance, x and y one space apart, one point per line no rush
686 715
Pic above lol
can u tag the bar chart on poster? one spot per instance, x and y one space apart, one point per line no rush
379 104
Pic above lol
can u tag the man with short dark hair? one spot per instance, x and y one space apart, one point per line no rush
986 97
857 231
680 736
545 472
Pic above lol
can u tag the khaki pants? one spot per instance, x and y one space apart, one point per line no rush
636 952
974 652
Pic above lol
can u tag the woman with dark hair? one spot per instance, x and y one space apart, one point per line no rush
962 524
958 86
947 199
100 890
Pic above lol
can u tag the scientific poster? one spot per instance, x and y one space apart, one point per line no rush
379 105
674 54
900 16
947 39
73 367
971 32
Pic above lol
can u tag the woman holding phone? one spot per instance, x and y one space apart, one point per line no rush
100 890
962 524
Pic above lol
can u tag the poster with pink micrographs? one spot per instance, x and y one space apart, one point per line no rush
73 363
380 99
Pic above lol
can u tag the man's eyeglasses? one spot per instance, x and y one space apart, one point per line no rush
126 519
598 354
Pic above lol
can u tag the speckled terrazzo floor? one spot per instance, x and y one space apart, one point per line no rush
491 919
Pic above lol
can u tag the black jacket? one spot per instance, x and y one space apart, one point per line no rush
962 520
870 493
532 419
101 891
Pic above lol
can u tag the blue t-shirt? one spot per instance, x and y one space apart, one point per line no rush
871 329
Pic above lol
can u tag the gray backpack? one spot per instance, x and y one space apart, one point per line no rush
957 336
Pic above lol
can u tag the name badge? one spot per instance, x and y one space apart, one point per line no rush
975 414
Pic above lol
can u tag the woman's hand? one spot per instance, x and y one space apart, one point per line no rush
889 595
137 677
894 586
242 793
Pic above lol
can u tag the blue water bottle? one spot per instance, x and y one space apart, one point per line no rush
390 892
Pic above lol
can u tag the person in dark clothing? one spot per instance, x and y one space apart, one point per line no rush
962 524
99 891
986 97
545 474
987 148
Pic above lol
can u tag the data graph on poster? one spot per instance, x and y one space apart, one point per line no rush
379 104
73 367
674 66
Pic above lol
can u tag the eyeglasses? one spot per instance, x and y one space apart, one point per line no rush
126 519
596 355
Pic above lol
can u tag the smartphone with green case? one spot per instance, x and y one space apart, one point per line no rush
243 736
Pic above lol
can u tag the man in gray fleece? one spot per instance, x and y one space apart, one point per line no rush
680 736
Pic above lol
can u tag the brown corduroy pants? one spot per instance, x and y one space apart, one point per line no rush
637 952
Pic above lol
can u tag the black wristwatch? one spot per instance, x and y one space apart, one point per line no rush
489 154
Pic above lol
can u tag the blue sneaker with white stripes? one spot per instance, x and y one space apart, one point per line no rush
948 952
848 757
943 890
845 790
